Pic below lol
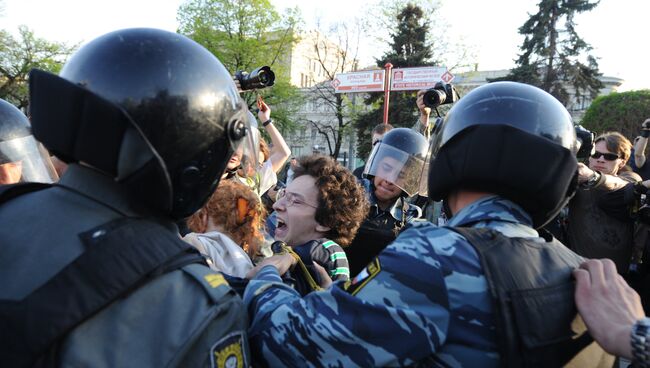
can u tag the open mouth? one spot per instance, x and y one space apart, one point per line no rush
280 229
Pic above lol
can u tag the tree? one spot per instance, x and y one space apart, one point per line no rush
332 58
622 112
244 35
553 54
409 47
20 55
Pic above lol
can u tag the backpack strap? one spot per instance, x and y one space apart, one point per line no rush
120 256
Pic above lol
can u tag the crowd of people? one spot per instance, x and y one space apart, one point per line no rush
176 236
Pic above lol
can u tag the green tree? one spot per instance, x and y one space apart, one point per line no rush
20 55
622 112
409 47
553 55
244 35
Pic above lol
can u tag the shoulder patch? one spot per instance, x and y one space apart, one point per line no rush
359 281
229 352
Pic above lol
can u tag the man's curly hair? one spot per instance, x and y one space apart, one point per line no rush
342 203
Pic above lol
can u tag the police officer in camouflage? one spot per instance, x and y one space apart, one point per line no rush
486 291
93 269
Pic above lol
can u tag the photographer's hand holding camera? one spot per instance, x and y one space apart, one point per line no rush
639 150
422 125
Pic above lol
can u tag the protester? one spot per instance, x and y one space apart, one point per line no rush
317 215
592 232
393 173
227 228
22 159
147 120
428 298
376 135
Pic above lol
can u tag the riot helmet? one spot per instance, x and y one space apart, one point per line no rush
511 139
22 158
151 108
399 157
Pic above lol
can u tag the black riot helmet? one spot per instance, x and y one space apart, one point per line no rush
150 108
400 158
22 158
511 139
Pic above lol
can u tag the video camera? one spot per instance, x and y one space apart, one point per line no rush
586 140
440 94
261 77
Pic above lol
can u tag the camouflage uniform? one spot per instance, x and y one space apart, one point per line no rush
425 294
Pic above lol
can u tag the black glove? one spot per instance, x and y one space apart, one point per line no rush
645 129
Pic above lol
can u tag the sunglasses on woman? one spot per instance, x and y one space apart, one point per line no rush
607 156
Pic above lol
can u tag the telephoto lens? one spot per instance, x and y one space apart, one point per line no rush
261 77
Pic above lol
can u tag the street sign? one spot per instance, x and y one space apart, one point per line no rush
409 79
365 81
447 77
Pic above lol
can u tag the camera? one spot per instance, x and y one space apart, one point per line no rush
440 94
585 140
259 78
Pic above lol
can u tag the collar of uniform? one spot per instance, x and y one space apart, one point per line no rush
492 208
99 187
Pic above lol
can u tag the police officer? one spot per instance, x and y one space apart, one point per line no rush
393 173
486 291
22 159
93 270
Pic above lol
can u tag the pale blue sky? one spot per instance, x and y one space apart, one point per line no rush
614 28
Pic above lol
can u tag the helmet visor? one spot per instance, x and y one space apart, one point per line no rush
396 166
246 150
25 160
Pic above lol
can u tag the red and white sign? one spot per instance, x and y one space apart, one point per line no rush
365 81
408 79
447 77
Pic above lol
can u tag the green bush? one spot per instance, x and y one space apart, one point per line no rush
622 112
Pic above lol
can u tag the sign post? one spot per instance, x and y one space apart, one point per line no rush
389 79
388 68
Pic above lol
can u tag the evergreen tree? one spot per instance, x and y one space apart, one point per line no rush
552 52
409 48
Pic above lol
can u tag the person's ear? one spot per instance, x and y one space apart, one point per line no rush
322 229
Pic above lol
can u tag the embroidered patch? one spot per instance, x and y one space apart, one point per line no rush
229 352
359 281
215 279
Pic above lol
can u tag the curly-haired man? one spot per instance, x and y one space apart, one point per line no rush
318 213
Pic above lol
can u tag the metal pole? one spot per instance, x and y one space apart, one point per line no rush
388 68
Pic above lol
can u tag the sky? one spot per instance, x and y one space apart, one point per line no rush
614 28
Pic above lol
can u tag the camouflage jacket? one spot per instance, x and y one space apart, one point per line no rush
425 295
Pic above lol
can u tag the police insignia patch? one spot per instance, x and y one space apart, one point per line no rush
229 352
359 281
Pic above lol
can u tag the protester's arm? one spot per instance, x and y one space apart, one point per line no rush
641 143
280 151
604 182
608 305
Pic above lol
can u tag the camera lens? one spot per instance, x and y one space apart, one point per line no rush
264 78
434 97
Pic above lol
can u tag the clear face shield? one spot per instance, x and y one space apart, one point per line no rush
246 150
396 166
25 160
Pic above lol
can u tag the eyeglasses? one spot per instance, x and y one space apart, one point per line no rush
291 199
607 156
